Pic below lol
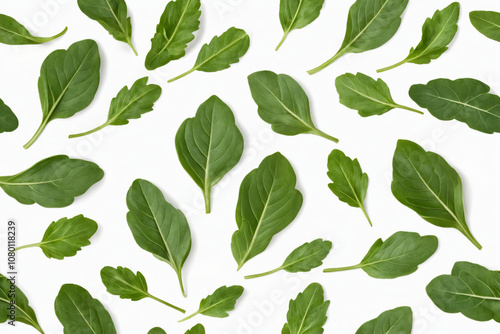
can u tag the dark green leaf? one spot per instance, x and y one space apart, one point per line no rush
14 33
395 321
8 120
198 329
157 330
487 23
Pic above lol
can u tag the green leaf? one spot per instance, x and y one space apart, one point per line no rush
219 303
307 313
222 51
79 313
112 15
198 329
283 103
427 184
68 82
14 33
53 182
303 259
366 95
398 320
267 203
471 290
209 145
296 14
437 33
66 237
487 23
129 104
157 330
24 312
178 22
349 182
399 255
370 24
466 100
8 120
157 226
124 283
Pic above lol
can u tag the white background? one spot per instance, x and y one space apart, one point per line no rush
145 149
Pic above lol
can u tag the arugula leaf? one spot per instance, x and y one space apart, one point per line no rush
65 237
68 82
112 15
124 283
157 226
303 259
219 303
471 289
14 33
267 203
8 120
307 313
222 51
370 24
129 104
209 145
437 33
369 97
398 320
399 255
466 100
427 184
283 103
157 330
296 14
19 302
198 329
178 22
487 23
349 182
53 182
79 313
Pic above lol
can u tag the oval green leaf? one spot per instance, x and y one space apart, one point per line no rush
487 23
398 320
14 33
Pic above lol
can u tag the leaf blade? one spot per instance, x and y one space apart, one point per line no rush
487 23
14 33
8 120
398 320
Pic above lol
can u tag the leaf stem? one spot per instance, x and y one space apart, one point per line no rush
362 207
327 63
36 135
206 196
182 75
264 274
179 276
48 39
469 236
166 303
332 270
392 66
409 109
190 316
89 132
324 135
129 42
27 246
282 41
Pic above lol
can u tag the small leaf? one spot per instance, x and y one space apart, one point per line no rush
8 120
398 320
14 33
157 330
487 23
399 255
198 329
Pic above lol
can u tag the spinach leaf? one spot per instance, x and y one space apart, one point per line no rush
471 290
112 15
157 330
157 226
209 145
369 97
303 259
178 22
14 33
65 237
219 303
349 182
487 23
398 320
466 100
307 313
437 33
399 255
8 120
19 302
267 203
370 24
129 104
283 103
427 184
296 14
221 52
79 313
53 182
68 82
198 329
124 283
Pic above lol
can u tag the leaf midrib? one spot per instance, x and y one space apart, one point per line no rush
131 102
219 52
299 7
81 314
306 313
33 322
369 97
466 104
30 38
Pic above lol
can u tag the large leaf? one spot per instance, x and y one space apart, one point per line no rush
395 321
53 182
283 103
370 24
209 145
437 33
178 22
267 203
471 290
427 184
399 255
221 52
68 82
8 120
307 313
14 33
487 23
157 226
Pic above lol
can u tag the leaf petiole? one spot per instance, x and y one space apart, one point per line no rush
332 270
100 127
182 75
327 63
165 303
28 246
282 40
189 316
320 133
264 274
392 66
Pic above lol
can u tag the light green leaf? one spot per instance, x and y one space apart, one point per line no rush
487 23
395 321
8 120
14 33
